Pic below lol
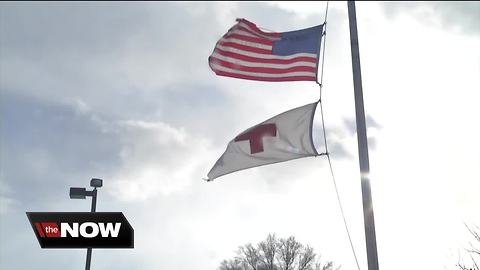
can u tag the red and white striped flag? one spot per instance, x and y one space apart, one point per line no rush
246 52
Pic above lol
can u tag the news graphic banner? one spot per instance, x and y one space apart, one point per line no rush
81 229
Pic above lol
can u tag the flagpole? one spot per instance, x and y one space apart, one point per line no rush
368 216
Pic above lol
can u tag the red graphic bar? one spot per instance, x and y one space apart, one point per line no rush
39 229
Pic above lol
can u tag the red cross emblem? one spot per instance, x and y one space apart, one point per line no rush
255 136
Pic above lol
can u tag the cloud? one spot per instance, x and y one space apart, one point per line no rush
140 158
48 145
81 52
351 126
6 204
456 16
157 159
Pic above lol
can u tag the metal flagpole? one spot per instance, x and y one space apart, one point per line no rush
368 217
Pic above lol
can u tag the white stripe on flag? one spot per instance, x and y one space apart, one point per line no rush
247 43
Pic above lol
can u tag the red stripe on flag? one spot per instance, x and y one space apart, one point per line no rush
261 69
266 79
263 60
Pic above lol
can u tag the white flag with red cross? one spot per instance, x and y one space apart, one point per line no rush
283 137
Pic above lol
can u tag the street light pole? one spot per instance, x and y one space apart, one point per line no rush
94 207
82 193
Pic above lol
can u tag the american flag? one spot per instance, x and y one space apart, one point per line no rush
246 52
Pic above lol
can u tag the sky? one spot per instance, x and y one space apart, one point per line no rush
123 92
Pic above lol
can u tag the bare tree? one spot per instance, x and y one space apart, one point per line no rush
252 256
268 252
288 251
234 264
473 252
276 254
